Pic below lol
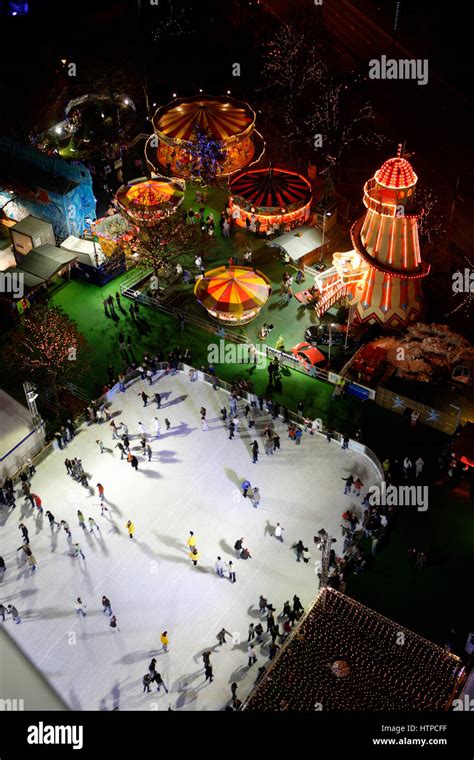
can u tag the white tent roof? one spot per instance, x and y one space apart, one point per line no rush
299 241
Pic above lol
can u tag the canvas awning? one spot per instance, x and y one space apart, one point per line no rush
299 242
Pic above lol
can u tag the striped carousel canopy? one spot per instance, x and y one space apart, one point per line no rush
232 290
271 189
153 197
221 118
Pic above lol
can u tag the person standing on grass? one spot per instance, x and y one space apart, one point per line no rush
131 528
165 640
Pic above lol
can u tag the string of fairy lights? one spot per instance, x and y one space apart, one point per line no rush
344 656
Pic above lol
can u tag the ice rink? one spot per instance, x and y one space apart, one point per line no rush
191 483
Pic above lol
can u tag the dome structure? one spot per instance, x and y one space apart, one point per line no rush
233 295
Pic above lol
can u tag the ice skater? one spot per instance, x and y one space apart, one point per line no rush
79 606
24 533
221 636
131 528
159 682
254 497
156 427
251 655
78 551
67 530
254 447
144 396
101 446
82 519
278 533
219 567
92 525
165 640
107 607
167 423
231 571
52 520
194 556
113 623
12 610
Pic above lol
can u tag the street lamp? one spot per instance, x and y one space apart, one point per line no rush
324 542
326 215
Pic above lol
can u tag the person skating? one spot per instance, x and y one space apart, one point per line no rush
156 427
306 555
159 682
67 530
245 487
251 632
149 452
255 497
297 606
221 636
299 548
251 655
126 442
238 547
121 448
219 567
12 610
194 556
259 633
81 518
52 520
3 566
107 608
191 542
272 650
24 533
147 679
279 532
208 673
262 604
165 640
92 525
3 612
231 429
158 400
144 396
167 423
206 657
78 551
113 623
133 461
101 491
270 621
101 446
131 528
230 568
79 606
254 447
142 429
348 481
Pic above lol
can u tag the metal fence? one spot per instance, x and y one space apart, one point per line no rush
419 412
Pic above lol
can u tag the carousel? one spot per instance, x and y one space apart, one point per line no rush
270 200
147 201
229 122
233 295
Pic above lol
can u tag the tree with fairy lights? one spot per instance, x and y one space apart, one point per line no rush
48 348
208 156
158 246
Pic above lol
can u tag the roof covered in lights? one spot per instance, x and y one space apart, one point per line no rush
234 290
345 656
219 117
396 173
272 188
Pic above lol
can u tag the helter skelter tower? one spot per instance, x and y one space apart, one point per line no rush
386 238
